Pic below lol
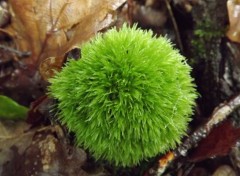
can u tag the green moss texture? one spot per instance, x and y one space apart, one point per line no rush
129 97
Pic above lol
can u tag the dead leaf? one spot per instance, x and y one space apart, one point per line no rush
11 129
13 134
41 151
50 28
217 143
50 65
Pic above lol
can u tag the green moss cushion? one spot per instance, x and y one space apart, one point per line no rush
129 97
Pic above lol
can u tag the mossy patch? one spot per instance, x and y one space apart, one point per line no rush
129 98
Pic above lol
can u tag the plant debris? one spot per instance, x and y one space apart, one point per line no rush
38 37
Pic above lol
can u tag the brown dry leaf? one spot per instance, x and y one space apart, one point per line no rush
11 129
38 151
218 143
13 135
50 28
50 65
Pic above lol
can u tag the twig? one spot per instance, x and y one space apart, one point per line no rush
18 53
130 11
219 114
175 26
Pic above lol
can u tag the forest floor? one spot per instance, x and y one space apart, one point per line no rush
36 37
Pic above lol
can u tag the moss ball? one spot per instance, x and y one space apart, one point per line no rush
129 97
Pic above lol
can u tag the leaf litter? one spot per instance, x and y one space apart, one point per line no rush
47 30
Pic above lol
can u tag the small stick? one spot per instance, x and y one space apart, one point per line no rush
18 53
174 25
219 114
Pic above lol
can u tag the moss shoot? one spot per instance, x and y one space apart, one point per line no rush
128 98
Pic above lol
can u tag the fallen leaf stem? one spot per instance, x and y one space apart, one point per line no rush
175 26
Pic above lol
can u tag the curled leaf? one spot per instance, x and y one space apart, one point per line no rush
50 28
